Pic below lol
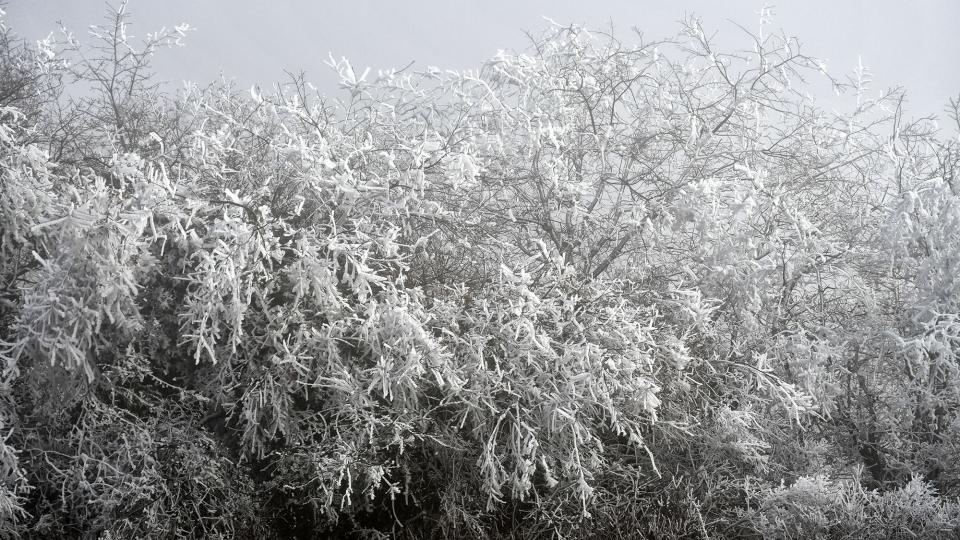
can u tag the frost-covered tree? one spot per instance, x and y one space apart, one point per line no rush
590 288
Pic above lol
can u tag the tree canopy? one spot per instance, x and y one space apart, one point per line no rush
592 289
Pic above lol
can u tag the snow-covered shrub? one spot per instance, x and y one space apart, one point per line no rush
817 507
589 288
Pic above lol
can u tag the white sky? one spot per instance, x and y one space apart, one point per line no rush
915 44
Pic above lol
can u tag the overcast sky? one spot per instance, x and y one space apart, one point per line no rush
915 44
